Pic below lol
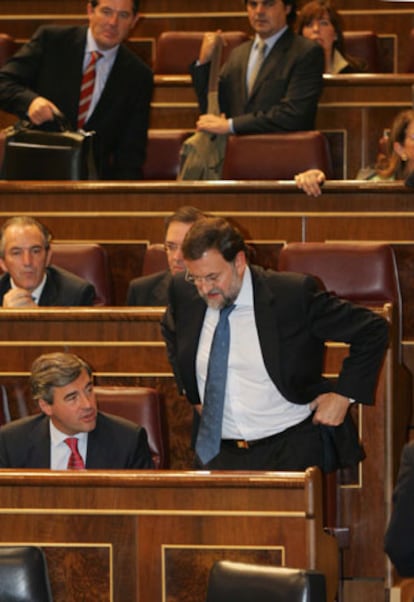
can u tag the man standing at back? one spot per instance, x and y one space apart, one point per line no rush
46 76
270 84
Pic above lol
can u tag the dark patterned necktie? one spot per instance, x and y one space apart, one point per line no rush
75 459
209 433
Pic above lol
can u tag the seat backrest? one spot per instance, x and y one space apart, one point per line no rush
364 45
358 271
89 261
276 156
176 50
8 47
144 406
163 153
155 259
24 575
241 582
362 272
410 59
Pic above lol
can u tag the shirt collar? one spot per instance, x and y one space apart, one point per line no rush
57 437
92 46
245 296
270 42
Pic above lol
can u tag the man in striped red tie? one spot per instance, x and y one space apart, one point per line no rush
90 76
70 433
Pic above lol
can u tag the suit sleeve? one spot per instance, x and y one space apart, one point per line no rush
141 457
4 459
18 76
399 537
87 295
365 332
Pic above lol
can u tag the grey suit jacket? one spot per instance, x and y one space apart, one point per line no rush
115 443
149 290
62 288
286 91
399 538
294 319
50 65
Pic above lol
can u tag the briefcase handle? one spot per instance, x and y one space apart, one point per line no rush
60 120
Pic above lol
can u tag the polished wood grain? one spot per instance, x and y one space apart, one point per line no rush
163 526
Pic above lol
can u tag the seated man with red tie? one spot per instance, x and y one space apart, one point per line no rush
70 432
87 74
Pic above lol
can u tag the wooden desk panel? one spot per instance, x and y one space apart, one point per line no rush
163 526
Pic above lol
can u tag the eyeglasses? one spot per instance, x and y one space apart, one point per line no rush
209 279
108 13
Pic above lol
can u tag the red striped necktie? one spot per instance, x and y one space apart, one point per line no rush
87 86
75 459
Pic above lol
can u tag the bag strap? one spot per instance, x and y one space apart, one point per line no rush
212 97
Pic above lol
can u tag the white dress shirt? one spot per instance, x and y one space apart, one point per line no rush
253 407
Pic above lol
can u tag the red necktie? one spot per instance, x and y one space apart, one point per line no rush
88 83
75 459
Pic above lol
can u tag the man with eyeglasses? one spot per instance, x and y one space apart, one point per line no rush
263 88
279 412
152 290
45 77
29 280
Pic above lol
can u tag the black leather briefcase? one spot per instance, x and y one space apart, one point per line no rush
31 153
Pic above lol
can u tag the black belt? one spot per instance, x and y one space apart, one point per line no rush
243 444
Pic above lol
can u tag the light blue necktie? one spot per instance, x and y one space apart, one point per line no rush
209 433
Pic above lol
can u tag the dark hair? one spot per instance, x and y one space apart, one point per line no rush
394 165
316 10
135 5
291 16
213 233
22 221
52 370
185 215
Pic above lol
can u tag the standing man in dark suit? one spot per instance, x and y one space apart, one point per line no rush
29 281
399 538
283 96
45 77
152 290
279 412
62 385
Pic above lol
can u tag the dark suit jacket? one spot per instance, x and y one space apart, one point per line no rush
286 91
62 288
399 538
294 318
50 65
149 290
115 443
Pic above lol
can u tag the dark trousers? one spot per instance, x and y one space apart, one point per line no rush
296 448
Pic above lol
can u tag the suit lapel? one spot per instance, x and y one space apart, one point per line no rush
244 60
49 293
267 325
115 83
